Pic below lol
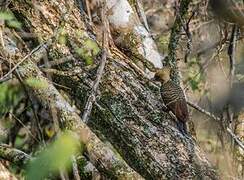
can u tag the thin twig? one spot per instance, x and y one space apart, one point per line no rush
236 138
88 11
92 97
189 36
195 106
231 53
5 79
1 34
141 14
25 127
58 62
38 52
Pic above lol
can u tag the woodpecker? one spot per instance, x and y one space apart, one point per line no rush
173 97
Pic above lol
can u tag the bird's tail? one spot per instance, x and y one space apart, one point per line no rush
182 127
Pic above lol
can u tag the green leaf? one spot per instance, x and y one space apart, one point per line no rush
89 61
194 84
91 45
57 156
14 24
85 54
10 19
4 15
10 95
19 141
88 51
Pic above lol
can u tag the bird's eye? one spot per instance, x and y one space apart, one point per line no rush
154 78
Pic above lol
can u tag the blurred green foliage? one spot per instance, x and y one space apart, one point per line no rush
10 20
36 83
10 95
55 157
195 75
162 43
19 141
4 15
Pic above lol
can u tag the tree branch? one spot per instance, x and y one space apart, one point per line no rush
14 155
174 38
233 136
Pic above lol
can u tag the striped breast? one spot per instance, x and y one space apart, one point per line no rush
175 100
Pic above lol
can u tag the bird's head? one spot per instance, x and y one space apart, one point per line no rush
163 74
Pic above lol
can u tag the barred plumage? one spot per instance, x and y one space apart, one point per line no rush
173 97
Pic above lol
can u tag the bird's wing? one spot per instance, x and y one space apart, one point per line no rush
179 108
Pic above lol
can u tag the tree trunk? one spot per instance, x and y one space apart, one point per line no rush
129 114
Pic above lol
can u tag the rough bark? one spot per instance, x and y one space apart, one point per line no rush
128 112
5 174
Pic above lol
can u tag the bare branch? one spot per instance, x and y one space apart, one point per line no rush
231 53
36 50
233 136
174 38
237 139
195 106
92 97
